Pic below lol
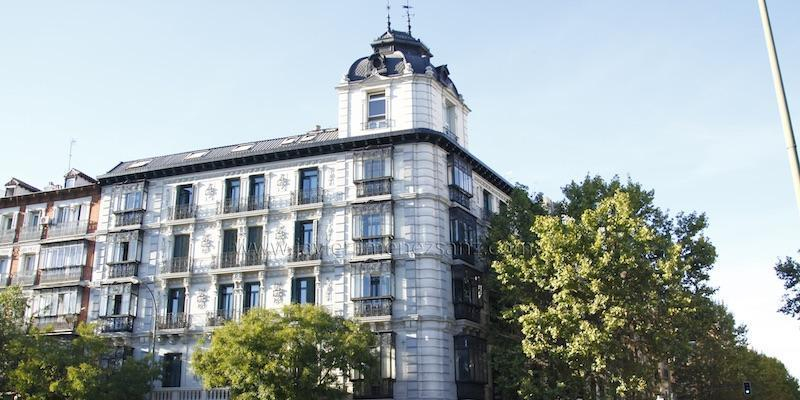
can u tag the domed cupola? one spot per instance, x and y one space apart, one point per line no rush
395 53
398 88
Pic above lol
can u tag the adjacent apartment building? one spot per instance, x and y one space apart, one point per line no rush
47 248
378 219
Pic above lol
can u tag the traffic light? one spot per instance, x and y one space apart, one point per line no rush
747 389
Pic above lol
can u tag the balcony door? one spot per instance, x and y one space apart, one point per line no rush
225 301
232 191
303 290
309 186
257 192
176 301
304 238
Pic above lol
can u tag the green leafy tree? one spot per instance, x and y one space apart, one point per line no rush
296 354
38 366
12 310
788 271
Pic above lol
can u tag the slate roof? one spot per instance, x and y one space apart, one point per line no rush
219 153
393 53
20 183
75 173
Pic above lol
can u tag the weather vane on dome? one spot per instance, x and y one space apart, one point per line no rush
408 8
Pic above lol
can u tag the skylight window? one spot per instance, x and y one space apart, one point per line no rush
307 138
289 140
139 164
243 147
196 154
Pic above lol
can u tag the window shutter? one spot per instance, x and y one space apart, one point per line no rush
126 298
388 220
104 302
358 225
312 291
295 291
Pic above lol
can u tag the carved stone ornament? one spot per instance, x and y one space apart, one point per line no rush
202 299
207 244
211 192
283 182
278 293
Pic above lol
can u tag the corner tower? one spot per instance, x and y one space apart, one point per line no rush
396 88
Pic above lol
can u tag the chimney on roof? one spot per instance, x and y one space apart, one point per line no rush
318 127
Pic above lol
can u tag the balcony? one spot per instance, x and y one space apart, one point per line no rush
307 196
220 317
122 269
373 389
68 228
113 324
304 253
464 252
229 259
253 203
128 217
7 236
57 323
460 196
467 311
374 187
176 265
189 394
372 306
182 211
173 321
255 257
373 246
23 279
30 233
61 274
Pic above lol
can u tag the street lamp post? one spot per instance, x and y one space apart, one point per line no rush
155 312
783 105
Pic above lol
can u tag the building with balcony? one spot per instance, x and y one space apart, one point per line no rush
47 248
378 220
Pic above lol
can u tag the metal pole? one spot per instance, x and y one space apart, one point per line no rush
783 106
155 313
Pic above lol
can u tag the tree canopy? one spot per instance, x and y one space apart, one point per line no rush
788 271
38 366
297 353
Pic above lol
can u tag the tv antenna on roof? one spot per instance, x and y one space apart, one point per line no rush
408 8
69 163
388 16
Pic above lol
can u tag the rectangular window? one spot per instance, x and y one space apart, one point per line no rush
252 291
225 301
461 174
467 293
487 202
132 201
303 290
180 248
171 375
372 279
372 172
379 383
304 238
254 253
449 118
9 192
185 195
29 264
257 192
33 218
232 191
63 256
123 249
8 222
470 355
309 186
175 301
376 111
4 265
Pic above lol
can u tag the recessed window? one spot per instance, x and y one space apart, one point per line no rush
242 147
376 111
196 154
139 164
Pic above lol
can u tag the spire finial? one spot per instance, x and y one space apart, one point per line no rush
388 16
408 8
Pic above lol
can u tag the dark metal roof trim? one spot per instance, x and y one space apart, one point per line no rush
321 148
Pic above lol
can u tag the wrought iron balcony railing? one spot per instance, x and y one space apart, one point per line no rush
176 265
305 253
255 257
460 196
182 211
308 196
7 235
372 306
61 274
68 228
122 269
116 323
465 252
374 187
229 259
220 317
373 246
373 388
467 311
173 321
128 217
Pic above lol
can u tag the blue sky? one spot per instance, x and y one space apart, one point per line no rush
676 95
